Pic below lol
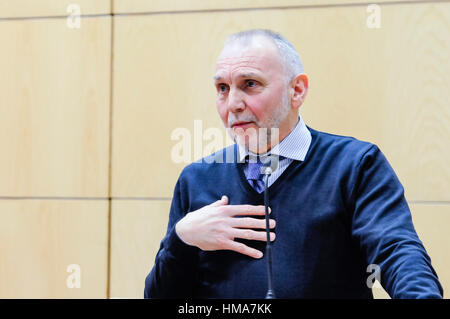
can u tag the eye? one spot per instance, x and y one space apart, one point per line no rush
251 83
222 88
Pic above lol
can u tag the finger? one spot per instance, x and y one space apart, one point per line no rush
252 235
220 202
243 249
248 222
234 210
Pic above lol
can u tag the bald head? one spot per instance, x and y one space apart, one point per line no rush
271 41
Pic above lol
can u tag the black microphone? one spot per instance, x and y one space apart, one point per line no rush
267 169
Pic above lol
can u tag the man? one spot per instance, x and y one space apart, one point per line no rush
336 204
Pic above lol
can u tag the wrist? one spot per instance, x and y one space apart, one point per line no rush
177 246
180 232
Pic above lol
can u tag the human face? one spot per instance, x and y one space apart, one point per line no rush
252 93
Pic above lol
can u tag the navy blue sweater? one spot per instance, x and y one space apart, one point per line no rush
337 212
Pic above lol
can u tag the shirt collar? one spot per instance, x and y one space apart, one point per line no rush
294 146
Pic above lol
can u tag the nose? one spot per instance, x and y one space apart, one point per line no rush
236 102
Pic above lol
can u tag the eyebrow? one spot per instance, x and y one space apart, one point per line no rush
217 78
242 75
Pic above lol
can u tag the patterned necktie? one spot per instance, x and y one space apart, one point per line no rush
254 176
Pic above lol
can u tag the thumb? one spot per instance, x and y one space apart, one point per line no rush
220 202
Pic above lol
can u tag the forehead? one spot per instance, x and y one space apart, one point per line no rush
260 57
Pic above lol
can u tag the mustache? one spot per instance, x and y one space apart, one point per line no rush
241 118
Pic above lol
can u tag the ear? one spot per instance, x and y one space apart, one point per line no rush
299 88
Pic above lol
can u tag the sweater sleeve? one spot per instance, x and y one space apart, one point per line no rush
174 271
383 227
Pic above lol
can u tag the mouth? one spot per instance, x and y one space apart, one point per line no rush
242 125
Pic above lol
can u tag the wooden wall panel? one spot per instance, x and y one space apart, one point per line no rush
33 8
388 86
380 293
54 107
128 6
384 85
137 228
162 81
39 239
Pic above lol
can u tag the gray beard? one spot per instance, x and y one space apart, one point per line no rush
265 131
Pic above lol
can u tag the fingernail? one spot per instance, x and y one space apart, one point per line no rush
259 254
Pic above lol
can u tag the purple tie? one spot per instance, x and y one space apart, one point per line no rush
254 176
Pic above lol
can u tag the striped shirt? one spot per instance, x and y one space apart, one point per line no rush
292 148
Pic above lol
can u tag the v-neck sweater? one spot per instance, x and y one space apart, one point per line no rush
340 214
